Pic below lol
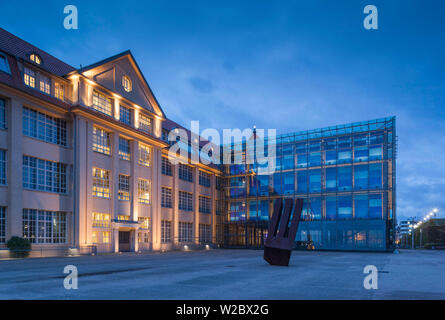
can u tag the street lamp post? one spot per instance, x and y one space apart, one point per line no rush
420 238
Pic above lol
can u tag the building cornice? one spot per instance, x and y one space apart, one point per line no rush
116 124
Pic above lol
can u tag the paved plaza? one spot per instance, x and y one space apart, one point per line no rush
227 274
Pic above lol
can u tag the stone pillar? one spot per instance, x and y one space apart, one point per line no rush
116 240
114 183
15 160
156 199
88 217
134 244
134 150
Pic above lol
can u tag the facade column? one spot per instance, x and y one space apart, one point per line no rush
156 199
14 180
134 244
196 204
88 217
114 175
134 151
115 240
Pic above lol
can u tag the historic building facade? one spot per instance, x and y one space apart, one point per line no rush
83 159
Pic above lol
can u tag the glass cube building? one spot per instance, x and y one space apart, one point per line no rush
346 176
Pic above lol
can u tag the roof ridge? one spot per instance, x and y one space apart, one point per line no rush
7 37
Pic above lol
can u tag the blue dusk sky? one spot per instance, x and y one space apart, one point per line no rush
285 65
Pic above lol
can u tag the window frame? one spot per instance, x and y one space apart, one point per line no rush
144 191
101 142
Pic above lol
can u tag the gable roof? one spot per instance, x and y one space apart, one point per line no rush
138 70
21 49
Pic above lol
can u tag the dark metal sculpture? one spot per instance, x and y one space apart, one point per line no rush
282 231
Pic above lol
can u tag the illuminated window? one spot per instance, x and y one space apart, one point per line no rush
101 220
125 115
58 91
101 103
145 123
101 141
166 197
124 187
126 83
123 217
101 183
45 85
145 222
94 237
29 77
144 155
144 190
42 226
106 237
124 148
35 58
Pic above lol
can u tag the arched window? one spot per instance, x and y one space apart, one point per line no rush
35 58
126 83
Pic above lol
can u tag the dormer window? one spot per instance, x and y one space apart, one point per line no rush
35 58
58 91
126 83
4 63
29 77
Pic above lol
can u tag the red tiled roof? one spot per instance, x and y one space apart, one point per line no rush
22 49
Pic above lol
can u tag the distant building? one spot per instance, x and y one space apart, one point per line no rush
405 226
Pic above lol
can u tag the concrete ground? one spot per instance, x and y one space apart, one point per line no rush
228 274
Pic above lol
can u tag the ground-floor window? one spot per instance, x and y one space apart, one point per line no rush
143 237
166 231
185 232
205 233
106 237
94 237
2 224
42 226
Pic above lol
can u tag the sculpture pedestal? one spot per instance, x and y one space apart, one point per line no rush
277 257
